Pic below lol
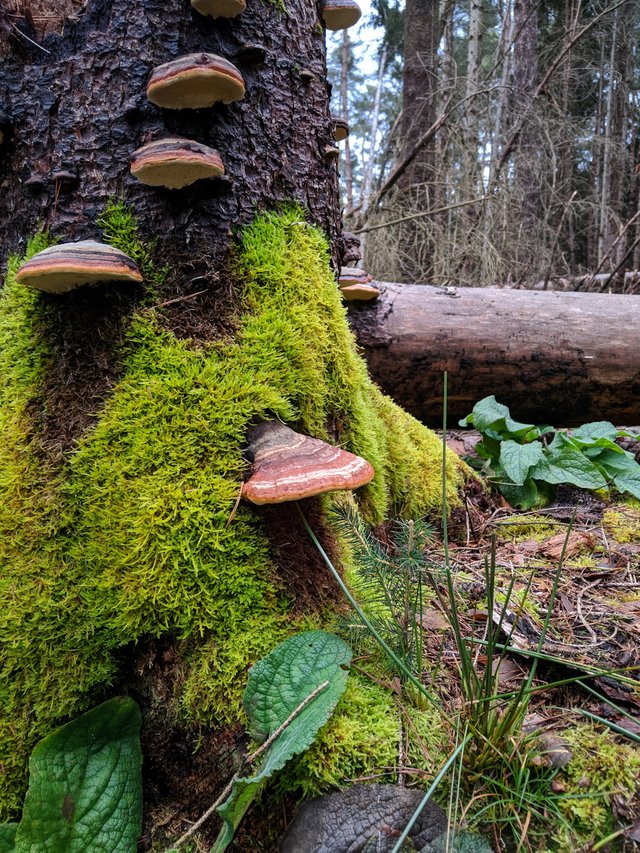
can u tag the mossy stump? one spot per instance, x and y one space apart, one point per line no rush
121 543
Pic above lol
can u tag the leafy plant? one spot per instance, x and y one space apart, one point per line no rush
527 467
290 695
85 787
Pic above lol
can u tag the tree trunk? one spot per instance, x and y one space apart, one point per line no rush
419 94
559 358
123 416
345 57
81 108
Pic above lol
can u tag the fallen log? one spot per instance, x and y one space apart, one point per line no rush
552 357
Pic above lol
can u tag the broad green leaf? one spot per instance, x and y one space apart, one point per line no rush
517 459
618 463
277 686
458 842
488 413
594 450
524 496
85 789
597 429
566 465
628 482
7 837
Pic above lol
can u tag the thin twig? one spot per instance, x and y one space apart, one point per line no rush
249 760
180 299
25 36
421 214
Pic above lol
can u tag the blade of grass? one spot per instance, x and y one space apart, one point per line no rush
428 795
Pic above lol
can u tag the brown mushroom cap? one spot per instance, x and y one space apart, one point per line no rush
340 14
353 275
175 162
70 265
219 8
194 81
340 129
359 292
288 466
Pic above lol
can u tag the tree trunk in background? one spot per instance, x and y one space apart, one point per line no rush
419 92
344 114
559 358
525 79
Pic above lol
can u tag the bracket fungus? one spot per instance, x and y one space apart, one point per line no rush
288 466
70 265
340 129
353 275
330 153
194 81
175 162
359 292
219 8
340 14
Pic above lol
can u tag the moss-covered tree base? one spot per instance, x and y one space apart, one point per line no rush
126 538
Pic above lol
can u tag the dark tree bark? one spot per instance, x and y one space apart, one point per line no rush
78 106
560 358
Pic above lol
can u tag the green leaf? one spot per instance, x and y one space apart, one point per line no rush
618 463
277 686
628 482
517 459
597 429
524 496
488 413
7 837
85 789
566 465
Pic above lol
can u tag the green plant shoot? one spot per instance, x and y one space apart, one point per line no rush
527 467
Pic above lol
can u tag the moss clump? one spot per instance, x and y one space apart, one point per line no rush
601 767
622 524
129 538
528 526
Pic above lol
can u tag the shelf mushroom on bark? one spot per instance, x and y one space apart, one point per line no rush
340 14
340 129
69 265
194 81
289 466
219 8
175 162
355 285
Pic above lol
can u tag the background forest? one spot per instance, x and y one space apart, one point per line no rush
493 142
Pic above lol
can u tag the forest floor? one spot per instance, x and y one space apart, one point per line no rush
587 613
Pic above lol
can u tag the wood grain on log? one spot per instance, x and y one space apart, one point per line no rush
559 358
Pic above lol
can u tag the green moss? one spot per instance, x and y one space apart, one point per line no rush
129 538
601 767
622 524
120 229
528 526
217 671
